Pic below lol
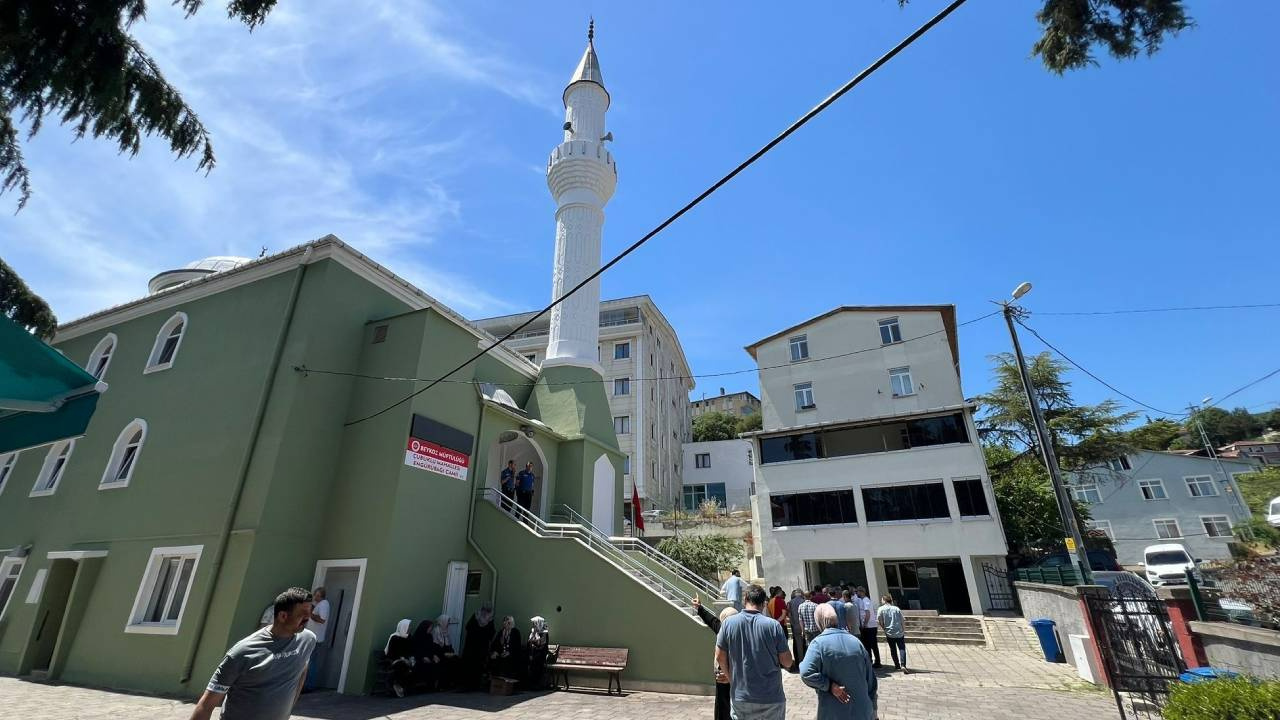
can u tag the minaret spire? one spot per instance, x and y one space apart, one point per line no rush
581 176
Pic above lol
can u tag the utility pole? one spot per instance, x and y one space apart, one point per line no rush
1075 542
1228 486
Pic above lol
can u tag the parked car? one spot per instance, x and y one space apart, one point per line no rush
1273 512
1098 560
1167 564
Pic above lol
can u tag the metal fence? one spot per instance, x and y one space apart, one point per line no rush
1067 576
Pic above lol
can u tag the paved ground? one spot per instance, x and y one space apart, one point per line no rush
1011 634
950 683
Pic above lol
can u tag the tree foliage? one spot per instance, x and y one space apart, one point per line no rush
1071 29
1028 508
1083 436
1258 488
750 423
76 61
714 426
706 555
1157 434
24 307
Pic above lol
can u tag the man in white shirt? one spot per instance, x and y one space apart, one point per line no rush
318 624
870 626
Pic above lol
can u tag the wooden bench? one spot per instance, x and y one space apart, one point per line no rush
587 659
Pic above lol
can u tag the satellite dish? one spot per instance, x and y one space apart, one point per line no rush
507 436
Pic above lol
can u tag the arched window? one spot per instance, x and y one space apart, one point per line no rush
55 464
167 342
100 358
124 455
6 468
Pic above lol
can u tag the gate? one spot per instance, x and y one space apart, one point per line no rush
1000 594
1138 650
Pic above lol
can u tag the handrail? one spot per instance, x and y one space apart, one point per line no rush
697 581
592 540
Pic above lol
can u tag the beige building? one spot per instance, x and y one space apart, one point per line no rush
647 380
739 403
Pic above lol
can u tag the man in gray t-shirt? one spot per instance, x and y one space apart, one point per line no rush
261 676
752 649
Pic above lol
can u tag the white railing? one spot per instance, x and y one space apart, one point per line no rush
629 544
595 541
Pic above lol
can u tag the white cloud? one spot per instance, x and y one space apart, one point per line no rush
307 116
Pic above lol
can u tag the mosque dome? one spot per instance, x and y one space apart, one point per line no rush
194 270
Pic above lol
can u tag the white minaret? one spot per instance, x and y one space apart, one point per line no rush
581 176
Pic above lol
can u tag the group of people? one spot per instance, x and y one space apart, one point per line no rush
427 660
518 486
833 634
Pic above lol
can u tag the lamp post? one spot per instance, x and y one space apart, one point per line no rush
1075 544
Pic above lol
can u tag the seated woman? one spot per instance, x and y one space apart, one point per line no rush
428 661
536 651
399 652
449 665
505 658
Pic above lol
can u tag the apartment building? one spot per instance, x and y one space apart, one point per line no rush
868 465
739 403
648 381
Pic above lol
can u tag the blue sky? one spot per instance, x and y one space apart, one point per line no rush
418 132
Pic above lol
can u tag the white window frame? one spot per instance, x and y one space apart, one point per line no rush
1103 525
801 390
105 347
1223 518
1082 490
6 567
702 460
1155 523
896 382
1152 482
110 481
1120 464
623 383
8 462
626 464
626 424
798 347
150 576
626 353
153 360
1198 480
895 331
47 473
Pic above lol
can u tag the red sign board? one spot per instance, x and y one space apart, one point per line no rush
426 455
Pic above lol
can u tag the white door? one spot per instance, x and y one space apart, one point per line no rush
602 499
340 591
455 598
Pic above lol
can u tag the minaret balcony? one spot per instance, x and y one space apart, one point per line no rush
576 164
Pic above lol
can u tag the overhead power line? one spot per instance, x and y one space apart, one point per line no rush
1242 388
804 119
1163 310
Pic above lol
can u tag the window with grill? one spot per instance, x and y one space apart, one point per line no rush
1201 486
918 501
971 498
166 586
830 507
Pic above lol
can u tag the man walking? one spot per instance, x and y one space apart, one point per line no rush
751 650
318 625
732 590
870 627
793 618
895 635
808 622
838 668
508 485
524 487
261 676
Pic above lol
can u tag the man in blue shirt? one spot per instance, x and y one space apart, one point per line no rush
732 590
838 668
508 484
524 487
751 650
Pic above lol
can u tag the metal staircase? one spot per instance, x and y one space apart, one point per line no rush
596 542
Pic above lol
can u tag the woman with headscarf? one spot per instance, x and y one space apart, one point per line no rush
723 697
399 651
536 650
428 661
449 665
504 651
475 646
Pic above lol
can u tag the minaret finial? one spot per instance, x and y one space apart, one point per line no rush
591 30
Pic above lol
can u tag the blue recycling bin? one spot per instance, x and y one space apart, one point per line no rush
1205 674
1044 628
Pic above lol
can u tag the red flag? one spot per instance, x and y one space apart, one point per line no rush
637 516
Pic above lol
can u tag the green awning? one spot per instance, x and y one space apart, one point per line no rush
43 395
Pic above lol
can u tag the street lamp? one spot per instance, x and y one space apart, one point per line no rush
1075 542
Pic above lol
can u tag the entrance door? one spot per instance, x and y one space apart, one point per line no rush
602 499
340 588
955 593
52 609
903 584
455 599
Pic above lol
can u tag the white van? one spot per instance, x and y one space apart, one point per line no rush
1273 512
1167 564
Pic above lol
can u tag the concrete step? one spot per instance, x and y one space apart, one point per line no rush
946 639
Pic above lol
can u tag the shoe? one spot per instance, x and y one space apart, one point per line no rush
897 667
877 665
398 689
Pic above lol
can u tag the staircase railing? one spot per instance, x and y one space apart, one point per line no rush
595 541
628 544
